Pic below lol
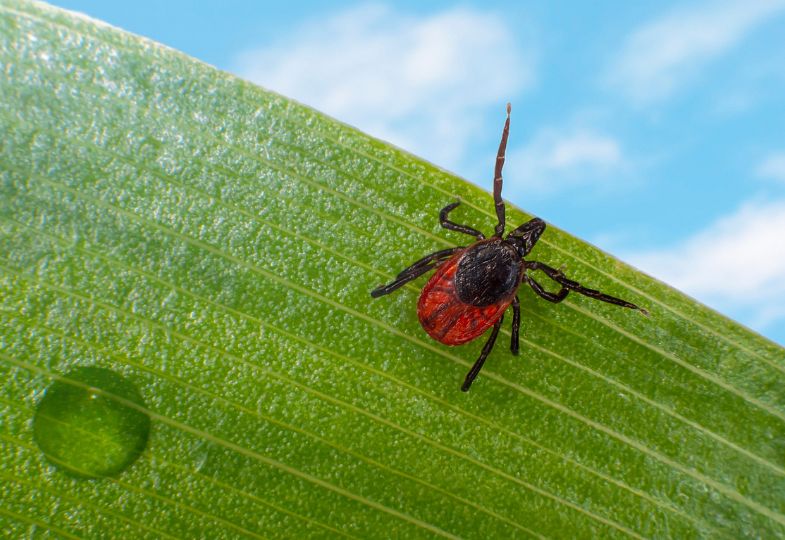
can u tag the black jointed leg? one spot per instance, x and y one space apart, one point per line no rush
447 224
486 350
564 281
497 177
429 262
549 296
516 324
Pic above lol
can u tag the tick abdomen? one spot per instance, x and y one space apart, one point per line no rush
445 317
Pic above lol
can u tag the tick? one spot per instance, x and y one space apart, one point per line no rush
473 286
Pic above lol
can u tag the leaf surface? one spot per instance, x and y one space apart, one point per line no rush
215 244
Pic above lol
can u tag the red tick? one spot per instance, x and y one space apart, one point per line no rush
473 286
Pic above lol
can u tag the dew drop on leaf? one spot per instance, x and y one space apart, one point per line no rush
86 423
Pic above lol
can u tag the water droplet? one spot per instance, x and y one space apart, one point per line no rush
85 426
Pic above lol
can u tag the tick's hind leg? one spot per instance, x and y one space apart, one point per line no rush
516 325
486 350
571 285
447 224
429 262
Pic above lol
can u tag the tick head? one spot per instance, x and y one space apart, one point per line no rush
525 236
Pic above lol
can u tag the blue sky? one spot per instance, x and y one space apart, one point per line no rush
655 130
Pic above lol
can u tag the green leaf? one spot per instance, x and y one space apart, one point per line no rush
215 244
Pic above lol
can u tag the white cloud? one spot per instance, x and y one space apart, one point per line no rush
736 264
773 167
664 54
419 82
555 160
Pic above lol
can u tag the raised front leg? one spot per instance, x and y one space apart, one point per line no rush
497 177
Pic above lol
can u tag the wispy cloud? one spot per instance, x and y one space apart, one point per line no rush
773 167
666 53
736 264
419 82
557 159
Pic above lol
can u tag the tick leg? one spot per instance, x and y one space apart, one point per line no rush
540 290
429 262
566 283
497 177
486 350
447 224
516 324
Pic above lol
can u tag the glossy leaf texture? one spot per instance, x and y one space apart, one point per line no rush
215 244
